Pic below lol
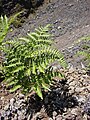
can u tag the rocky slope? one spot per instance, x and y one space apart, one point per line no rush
70 97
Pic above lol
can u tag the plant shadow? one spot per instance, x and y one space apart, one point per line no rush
58 99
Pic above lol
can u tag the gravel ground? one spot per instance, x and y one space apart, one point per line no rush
69 99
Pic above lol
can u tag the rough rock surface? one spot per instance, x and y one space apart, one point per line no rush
69 99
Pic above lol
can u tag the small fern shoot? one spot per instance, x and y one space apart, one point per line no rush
5 24
86 50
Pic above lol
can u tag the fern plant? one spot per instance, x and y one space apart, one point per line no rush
27 65
5 24
86 51
4 27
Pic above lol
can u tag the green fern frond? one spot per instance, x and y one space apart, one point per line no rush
86 50
85 38
16 87
11 83
13 17
4 26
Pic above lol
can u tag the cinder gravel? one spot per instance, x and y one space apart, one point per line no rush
69 99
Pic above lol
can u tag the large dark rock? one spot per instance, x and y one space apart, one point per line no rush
12 6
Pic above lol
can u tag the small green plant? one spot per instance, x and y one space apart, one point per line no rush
86 50
27 65
5 25
4 28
